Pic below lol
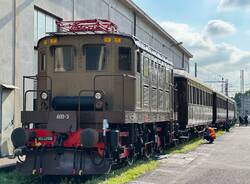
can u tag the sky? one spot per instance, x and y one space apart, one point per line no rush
216 32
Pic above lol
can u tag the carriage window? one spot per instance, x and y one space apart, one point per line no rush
146 67
161 75
138 62
43 62
206 99
201 97
193 92
198 96
124 58
63 58
210 99
190 94
95 57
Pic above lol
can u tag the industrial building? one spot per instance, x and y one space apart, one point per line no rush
24 22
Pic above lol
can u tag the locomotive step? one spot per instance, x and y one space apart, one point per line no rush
184 137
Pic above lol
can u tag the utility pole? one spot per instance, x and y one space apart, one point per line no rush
226 87
223 82
242 81
222 85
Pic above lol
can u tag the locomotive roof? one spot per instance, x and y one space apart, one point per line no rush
137 42
184 74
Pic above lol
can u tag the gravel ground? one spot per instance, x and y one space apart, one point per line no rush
227 161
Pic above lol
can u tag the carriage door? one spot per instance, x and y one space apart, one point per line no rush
138 79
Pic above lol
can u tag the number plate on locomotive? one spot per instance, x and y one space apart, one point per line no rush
45 138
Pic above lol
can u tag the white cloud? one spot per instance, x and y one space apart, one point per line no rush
219 58
219 28
198 43
234 4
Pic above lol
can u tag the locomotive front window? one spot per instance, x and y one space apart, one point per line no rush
124 58
64 57
95 57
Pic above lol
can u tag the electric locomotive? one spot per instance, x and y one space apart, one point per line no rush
102 98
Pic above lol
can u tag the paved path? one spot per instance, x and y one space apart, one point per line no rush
6 162
227 161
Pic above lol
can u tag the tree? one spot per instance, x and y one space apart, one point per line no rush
238 96
237 100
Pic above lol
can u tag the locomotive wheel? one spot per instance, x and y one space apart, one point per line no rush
96 158
131 157
148 151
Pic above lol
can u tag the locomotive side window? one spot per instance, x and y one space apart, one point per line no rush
153 71
124 58
43 62
95 57
168 77
156 72
63 58
145 66
162 75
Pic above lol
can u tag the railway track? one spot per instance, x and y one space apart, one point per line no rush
8 175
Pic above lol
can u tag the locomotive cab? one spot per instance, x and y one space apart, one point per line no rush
96 71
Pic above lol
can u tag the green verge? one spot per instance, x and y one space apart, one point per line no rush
126 174
121 176
191 145
15 178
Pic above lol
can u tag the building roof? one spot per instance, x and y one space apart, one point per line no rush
138 10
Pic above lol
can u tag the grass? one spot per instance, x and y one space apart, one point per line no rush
126 174
14 178
190 145
121 176
186 147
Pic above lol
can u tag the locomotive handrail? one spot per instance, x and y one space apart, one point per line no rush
35 77
29 91
123 76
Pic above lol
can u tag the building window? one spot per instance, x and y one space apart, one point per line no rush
43 23
64 58
124 58
95 57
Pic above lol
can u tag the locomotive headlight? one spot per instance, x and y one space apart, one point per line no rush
98 95
44 96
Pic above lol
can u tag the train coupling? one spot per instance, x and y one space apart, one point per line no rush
11 156
19 151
